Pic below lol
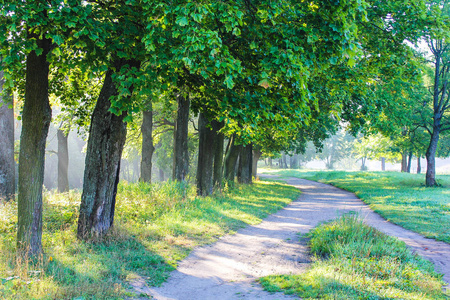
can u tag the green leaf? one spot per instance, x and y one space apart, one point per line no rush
351 62
229 82
197 17
57 51
182 21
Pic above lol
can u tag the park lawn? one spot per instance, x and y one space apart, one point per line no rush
354 261
155 226
400 198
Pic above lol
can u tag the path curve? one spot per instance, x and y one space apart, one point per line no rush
228 268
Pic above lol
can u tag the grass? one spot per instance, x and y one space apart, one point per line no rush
354 261
155 226
400 198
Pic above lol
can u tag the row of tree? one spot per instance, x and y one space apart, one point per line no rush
268 75
345 151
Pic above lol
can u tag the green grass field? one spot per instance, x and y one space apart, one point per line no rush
354 261
155 226
400 198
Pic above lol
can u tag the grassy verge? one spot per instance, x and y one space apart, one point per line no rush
156 226
355 261
400 198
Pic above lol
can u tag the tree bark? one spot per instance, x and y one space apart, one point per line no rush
430 177
256 155
107 136
231 159
161 175
147 146
419 167
205 157
408 168
270 162
7 164
245 164
383 164
63 162
218 153
180 140
404 162
36 118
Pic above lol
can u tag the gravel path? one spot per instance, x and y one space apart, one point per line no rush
228 268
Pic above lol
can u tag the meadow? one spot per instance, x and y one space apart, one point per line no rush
156 226
400 198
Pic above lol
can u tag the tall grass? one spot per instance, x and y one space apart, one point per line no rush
155 226
355 261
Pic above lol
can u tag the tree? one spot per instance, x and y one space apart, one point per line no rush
7 163
231 158
244 173
252 65
39 42
439 46
107 136
219 139
36 118
119 50
147 145
256 155
180 152
206 153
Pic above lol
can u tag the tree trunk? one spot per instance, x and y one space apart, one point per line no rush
7 164
205 157
231 158
245 164
63 162
430 177
383 164
363 164
107 136
419 167
294 161
180 140
408 168
161 175
270 162
147 146
36 118
218 153
284 160
404 162
256 155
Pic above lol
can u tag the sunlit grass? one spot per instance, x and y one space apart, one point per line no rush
155 226
400 198
354 261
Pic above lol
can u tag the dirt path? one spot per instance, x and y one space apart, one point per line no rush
228 268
